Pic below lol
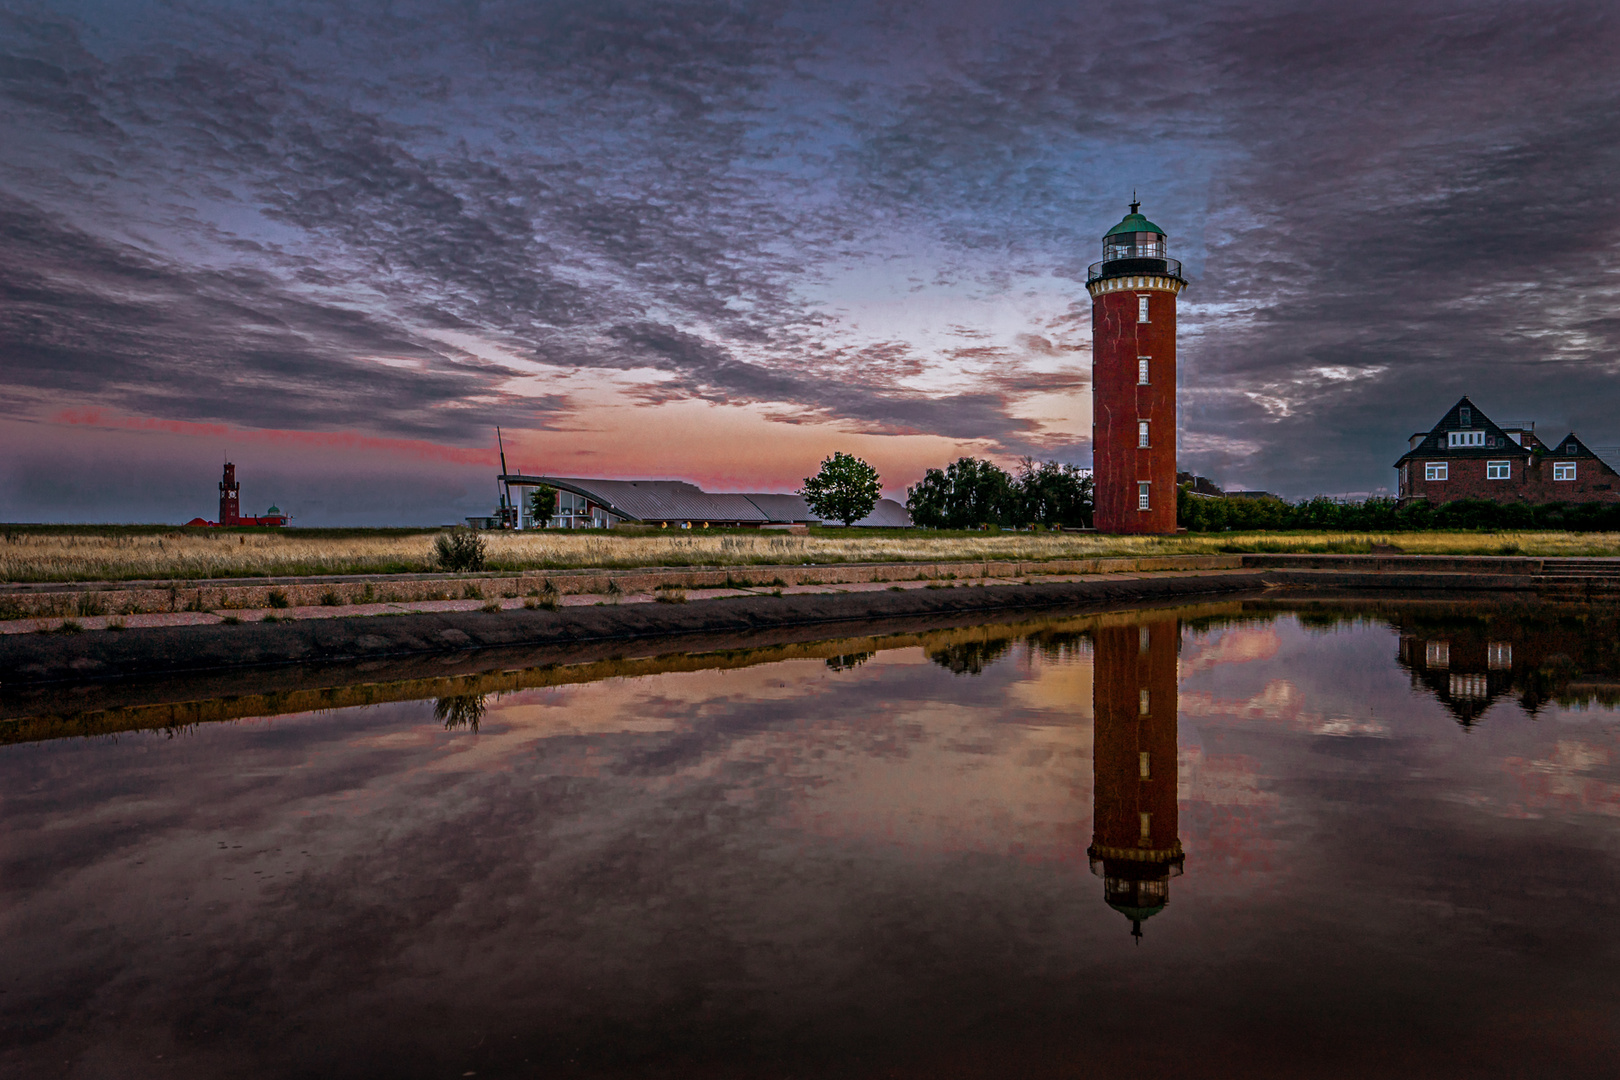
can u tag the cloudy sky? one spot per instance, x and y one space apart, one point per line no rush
340 243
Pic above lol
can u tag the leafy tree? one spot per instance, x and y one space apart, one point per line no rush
1054 494
543 503
844 490
967 493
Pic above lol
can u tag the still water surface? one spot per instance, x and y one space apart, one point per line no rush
1192 843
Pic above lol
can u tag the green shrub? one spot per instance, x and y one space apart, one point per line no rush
459 550
1385 515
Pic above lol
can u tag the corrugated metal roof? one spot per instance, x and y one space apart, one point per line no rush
783 509
887 514
660 500
676 500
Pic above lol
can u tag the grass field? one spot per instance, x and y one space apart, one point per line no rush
124 553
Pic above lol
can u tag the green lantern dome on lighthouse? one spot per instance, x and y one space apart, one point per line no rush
1133 223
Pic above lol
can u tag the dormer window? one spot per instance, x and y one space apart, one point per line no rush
1465 438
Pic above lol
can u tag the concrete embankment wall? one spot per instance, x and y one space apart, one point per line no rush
139 597
36 660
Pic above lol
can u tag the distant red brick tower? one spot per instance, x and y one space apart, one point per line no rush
1135 844
1133 379
230 505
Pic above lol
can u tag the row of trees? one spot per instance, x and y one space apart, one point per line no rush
971 492
1198 514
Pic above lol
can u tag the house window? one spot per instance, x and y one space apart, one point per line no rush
1141 308
1435 470
1465 417
1141 371
1465 438
1499 655
1142 433
1498 470
1563 470
1142 495
1437 654
1475 687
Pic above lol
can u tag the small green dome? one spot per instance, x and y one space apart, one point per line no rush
272 511
1133 223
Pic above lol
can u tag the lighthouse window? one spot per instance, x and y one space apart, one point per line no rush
1142 433
1141 371
1142 495
1498 470
1147 825
1563 470
1142 703
1435 470
1142 768
1141 309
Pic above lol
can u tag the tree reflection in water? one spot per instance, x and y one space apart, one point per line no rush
460 711
972 657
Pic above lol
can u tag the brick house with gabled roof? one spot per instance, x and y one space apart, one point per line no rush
1467 456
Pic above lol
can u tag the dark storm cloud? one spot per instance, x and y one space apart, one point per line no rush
77 313
702 369
1381 207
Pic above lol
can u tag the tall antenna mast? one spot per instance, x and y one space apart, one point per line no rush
503 486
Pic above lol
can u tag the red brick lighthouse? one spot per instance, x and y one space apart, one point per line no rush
1133 389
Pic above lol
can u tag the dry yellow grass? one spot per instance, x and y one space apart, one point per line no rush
62 555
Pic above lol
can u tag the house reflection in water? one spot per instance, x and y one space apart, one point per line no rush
1469 662
1135 845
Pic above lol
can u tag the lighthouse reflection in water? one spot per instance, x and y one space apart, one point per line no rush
1135 846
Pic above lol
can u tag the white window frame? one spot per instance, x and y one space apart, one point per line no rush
1499 655
1437 654
1564 470
1142 308
1144 490
1499 470
1465 438
1142 370
1142 441
1436 470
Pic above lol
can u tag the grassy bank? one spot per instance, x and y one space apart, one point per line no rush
105 553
